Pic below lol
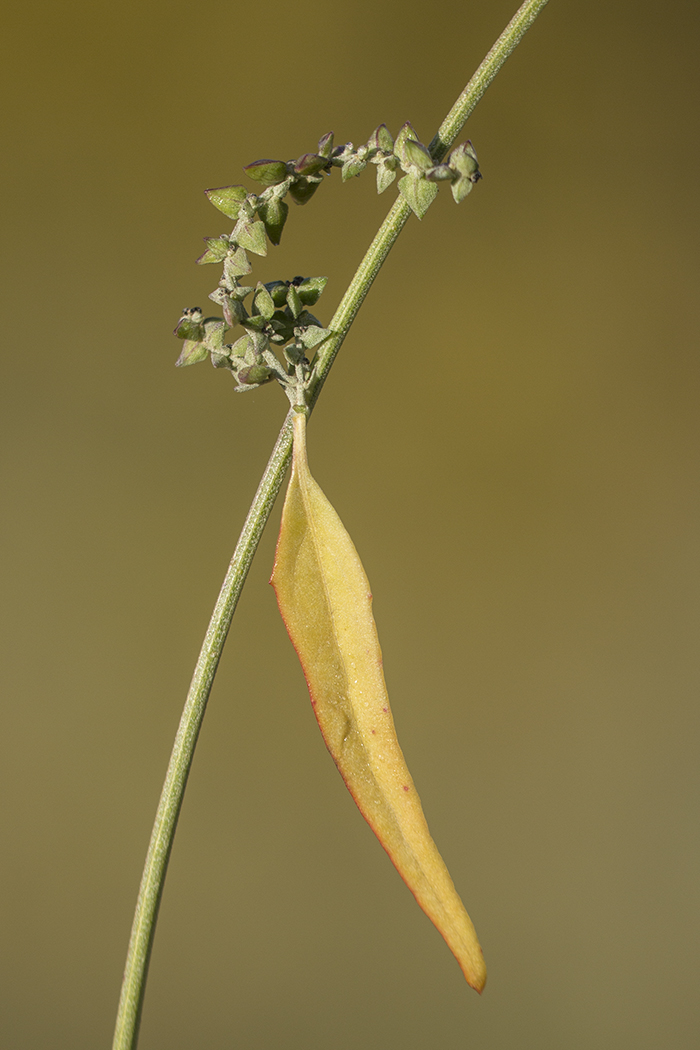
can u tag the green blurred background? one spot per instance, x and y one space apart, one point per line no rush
520 478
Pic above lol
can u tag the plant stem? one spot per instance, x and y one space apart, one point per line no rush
474 91
133 987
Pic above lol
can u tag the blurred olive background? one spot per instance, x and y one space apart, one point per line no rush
511 437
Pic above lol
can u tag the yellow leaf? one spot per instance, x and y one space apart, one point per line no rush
326 604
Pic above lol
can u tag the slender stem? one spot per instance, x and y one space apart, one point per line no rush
474 91
400 212
133 987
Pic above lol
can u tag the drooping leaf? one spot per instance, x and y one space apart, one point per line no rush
326 604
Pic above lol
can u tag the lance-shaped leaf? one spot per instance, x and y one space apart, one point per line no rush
325 601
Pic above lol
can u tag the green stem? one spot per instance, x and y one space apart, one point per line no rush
474 91
142 933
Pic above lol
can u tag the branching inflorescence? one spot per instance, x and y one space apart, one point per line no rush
279 318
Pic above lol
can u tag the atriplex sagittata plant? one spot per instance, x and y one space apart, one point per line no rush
322 591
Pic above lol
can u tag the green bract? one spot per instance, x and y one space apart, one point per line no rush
237 264
463 160
381 139
228 199
263 304
294 301
460 189
313 336
386 172
192 354
406 133
214 331
310 164
418 192
310 289
217 250
325 145
267 172
254 375
303 190
190 324
251 235
278 291
417 155
274 214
